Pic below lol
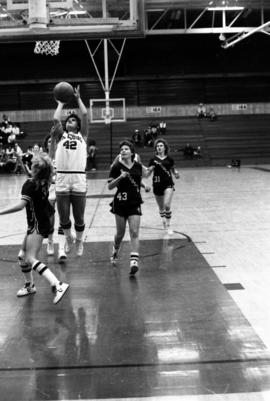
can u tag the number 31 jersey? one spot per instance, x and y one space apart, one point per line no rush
71 153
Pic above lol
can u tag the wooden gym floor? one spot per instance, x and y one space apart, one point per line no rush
194 325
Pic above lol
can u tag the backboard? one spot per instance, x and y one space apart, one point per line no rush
107 110
32 20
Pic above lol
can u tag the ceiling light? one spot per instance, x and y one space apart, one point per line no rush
77 12
236 8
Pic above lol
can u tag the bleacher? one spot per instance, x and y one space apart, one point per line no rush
244 137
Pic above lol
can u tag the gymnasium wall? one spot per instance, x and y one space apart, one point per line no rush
174 72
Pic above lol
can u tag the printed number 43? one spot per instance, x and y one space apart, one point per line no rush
122 196
70 145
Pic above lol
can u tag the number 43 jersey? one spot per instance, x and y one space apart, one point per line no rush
71 153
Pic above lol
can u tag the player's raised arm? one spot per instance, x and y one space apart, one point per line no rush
84 114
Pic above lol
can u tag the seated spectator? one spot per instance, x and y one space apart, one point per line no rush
147 136
5 121
16 130
11 138
162 128
197 153
235 163
137 138
27 160
154 131
188 151
212 115
91 152
18 153
201 111
36 149
10 159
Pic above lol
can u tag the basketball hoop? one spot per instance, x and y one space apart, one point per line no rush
47 47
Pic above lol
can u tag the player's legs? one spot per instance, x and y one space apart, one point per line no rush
78 201
52 200
168 195
134 227
50 245
26 270
161 207
33 246
62 189
120 222
63 206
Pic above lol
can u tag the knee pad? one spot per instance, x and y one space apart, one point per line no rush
79 228
66 226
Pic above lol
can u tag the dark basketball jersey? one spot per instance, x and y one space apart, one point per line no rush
38 209
162 176
128 194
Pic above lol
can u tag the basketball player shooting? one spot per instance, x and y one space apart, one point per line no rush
69 142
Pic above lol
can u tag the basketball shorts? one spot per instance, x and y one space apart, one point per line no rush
43 228
125 210
67 183
159 190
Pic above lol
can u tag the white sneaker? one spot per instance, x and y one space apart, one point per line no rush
169 231
50 248
27 289
114 258
59 290
79 247
69 242
62 257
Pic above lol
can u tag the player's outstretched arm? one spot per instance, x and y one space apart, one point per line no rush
14 208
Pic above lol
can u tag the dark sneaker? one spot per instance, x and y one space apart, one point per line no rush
133 270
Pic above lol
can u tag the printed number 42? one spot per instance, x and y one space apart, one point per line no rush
70 145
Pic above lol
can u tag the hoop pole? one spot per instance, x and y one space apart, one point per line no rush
106 69
111 138
106 64
117 64
93 61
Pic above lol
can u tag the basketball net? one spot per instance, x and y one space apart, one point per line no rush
47 47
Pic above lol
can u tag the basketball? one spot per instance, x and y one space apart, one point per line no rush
63 92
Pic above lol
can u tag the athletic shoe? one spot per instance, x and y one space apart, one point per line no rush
62 257
50 248
169 231
59 290
114 258
79 247
68 244
133 270
27 289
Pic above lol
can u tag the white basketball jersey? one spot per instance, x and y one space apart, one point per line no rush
71 153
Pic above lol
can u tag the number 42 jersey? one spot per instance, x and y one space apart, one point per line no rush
71 153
